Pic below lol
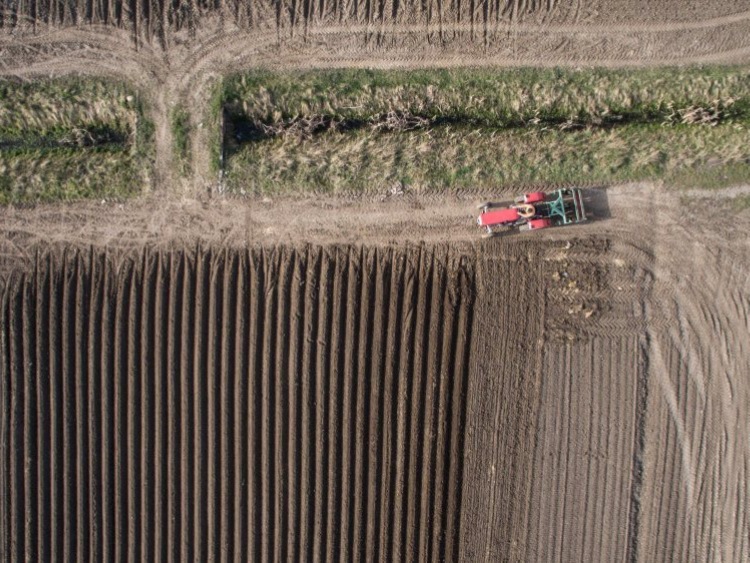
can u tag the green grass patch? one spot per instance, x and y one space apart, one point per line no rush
52 107
713 173
216 118
464 158
68 174
492 97
180 123
484 128
741 203
72 138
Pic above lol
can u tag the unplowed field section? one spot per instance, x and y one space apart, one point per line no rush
281 404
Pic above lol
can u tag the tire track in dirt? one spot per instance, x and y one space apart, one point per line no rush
639 453
276 403
556 28
588 470
286 22
696 490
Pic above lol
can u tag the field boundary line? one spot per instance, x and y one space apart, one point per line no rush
543 28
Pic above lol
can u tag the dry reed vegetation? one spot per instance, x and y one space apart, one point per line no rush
485 96
69 174
70 139
41 107
477 159
481 129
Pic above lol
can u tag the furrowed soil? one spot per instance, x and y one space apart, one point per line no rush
574 396
257 405
503 395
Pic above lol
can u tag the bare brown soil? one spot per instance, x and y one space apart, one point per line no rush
573 395
637 455
503 393
225 403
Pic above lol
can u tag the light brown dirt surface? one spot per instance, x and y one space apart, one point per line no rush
164 223
638 453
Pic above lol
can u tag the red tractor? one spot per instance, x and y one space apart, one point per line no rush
534 211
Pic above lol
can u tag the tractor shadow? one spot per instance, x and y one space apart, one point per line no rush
596 203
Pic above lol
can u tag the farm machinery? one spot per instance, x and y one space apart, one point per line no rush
533 211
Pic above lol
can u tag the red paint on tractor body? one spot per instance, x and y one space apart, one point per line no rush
498 217
539 224
534 197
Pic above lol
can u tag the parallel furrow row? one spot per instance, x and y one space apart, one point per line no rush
265 404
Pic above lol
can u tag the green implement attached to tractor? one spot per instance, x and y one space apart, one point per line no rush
534 211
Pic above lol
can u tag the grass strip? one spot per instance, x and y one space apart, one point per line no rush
180 123
47 175
463 158
364 130
490 97
72 138
55 106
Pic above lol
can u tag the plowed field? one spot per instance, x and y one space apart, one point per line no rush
575 396
579 396
265 405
